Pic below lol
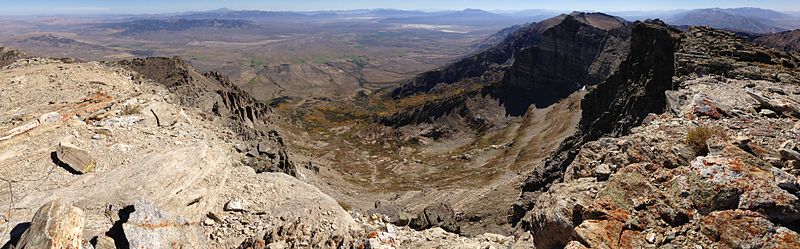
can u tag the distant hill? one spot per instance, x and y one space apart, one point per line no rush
788 40
149 25
243 14
496 38
462 17
744 19
757 13
51 40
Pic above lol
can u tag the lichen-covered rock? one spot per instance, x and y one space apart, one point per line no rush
714 184
777 204
706 106
745 229
56 224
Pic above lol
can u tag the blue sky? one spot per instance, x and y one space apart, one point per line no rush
161 6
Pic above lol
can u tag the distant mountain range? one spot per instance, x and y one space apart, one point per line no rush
744 20
752 20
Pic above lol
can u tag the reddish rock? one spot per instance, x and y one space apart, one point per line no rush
599 233
632 239
707 106
785 239
738 228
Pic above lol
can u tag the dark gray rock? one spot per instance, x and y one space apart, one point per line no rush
787 154
436 215
391 212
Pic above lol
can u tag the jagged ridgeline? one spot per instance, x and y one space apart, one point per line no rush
538 64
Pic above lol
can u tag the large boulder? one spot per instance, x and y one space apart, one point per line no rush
436 215
777 204
389 211
556 214
56 224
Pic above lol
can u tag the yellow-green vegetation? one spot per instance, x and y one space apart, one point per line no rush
321 118
256 62
697 137
386 107
340 113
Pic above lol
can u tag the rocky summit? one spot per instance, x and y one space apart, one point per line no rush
579 130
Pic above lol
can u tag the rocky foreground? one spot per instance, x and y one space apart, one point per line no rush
102 156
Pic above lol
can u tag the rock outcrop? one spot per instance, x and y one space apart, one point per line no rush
437 215
8 56
633 177
165 169
707 51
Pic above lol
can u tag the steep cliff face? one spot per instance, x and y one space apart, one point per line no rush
474 66
569 56
637 87
538 64
612 107
618 104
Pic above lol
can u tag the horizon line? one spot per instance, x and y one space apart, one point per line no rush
107 12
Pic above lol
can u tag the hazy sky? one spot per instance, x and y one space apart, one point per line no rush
160 6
